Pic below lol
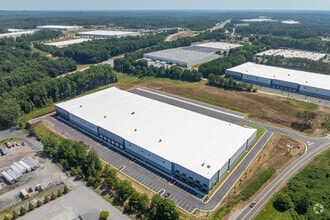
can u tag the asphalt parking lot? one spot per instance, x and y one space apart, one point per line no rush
152 179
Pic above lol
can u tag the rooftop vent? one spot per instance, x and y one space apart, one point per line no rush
160 140
132 113
80 106
208 166
135 129
105 116
203 164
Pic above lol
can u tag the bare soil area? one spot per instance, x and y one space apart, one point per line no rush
180 35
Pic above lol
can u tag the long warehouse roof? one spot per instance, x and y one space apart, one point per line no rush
108 33
294 76
187 138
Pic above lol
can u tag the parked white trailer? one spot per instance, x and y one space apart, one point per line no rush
13 174
27 167
7 177
31 163
19 166
16 170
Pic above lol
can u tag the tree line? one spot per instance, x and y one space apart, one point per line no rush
140 68
87 166
298 64
234 57
229 83
38 94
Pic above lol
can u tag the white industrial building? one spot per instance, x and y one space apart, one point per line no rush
290 53
192 55
61 44
60 27
307 83
190 147
18 33
104 34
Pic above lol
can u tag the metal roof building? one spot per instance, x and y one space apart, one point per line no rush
60 27
17 34
289 53
103 34
192 147
61 44
192 55
313 84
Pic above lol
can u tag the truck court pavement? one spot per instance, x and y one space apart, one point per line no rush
182 196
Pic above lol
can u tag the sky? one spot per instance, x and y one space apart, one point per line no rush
165 4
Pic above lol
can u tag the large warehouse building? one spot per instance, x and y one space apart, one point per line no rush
192 55
289 53
191 147
313 84
103 34
60 27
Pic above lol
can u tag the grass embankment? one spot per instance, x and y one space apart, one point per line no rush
274 157
307 193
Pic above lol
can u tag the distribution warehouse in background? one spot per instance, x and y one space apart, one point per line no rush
102 34
60 27
192 55
61 44
312 84
188 146
289 53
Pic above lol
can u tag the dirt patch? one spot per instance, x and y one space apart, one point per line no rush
278 154
180 35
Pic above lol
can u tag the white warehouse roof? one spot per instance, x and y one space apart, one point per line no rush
219 45
108 33
294 76
61 44
289 53
59 27
187 138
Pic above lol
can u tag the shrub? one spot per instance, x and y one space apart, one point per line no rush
104 215
59 193
46 200
53 196
65 190
15 215
31 206
39 203
22 211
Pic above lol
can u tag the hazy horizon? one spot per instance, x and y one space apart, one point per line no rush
131 5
